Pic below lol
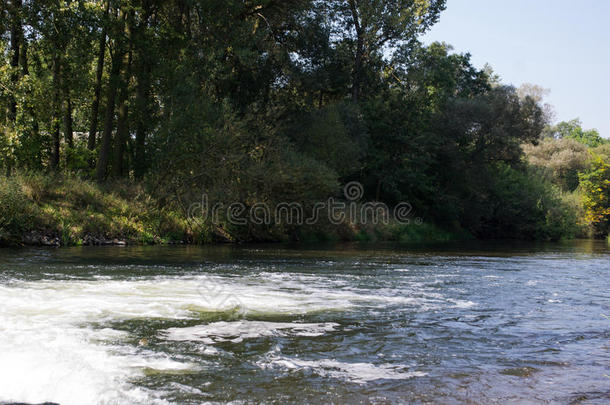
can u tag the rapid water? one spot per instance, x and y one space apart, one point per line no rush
348 324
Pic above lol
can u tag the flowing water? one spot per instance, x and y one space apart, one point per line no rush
279 324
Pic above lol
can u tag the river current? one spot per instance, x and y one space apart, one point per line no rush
468 324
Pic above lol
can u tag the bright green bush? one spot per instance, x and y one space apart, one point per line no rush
595 185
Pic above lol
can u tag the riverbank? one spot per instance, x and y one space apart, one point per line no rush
57 210
63 210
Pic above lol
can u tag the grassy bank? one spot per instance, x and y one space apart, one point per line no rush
54 210
65 210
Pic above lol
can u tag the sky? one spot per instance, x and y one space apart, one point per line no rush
561 45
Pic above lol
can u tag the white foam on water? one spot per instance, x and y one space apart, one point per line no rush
223 331
360 373
51 351
462 303
61 364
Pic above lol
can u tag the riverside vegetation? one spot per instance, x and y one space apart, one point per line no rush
119 114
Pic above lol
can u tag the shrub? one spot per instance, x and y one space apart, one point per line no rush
595 184
561 159
517 204
15 210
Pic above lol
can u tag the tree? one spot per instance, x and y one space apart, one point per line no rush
192 94
16 37
122 131
118 54
563 159
405 148
595 184
368 27
573 130
538 94
143 68
99 71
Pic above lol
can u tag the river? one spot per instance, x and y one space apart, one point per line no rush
453 324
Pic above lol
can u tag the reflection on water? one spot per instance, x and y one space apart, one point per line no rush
477 323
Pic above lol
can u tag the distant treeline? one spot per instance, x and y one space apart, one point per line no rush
262 101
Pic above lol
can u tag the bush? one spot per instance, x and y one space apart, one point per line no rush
561 159
595 184
15 210
517 204
426 233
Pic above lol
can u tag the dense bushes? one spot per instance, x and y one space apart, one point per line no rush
519 205
575 160
561 159
595 184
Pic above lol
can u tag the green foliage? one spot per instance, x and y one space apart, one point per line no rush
595 184
517 205
333 135
603 151
573 130
426 233
561 159
15 210
367 28
263 102
576 161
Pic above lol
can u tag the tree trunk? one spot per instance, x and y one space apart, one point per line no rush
16 37
143 70
95 105
35 134
16 33
357 79
103 158
121 136
23 59
122 124
68 130
115 72
358 59
142 94
55 125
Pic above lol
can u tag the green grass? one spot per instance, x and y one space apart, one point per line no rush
78 212
73 211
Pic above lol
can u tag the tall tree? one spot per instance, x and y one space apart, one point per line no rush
16 34
368 27
122 131
143 67
34 141
55 119
113 85
68 120
99 71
